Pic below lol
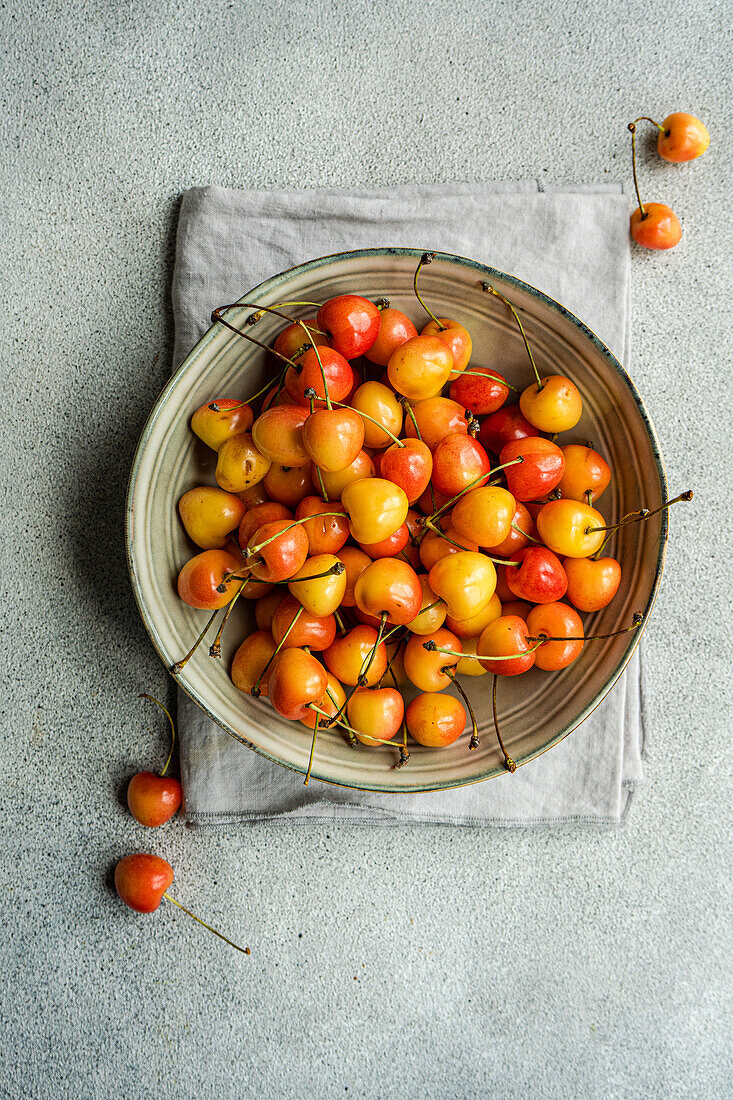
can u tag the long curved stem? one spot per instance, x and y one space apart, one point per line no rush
490 290
632 131
508 762
642 514
180 665
166 712
449 671
425 259
635 624
215 647
244 950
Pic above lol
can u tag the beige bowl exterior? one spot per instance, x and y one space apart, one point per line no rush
537 710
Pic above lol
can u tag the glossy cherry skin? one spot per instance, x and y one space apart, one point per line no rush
520 530
434 547
473 626
391 585
555 406
585 472
481 390
346 657
420 368
258 516
465 581
153 799
567 528
409 466
505 426
556 620
540 471
339 377
141 880
396 329
214 428
376 508
504 637
437 417
200 578
658 228
485 514
424 667
296 679
281 558
377 712
318 594
352 323
427 621
330 703
468 665
266 606
459 461
288 484
592 584
540 578
239 464
293 339
389 547
278 435
335 483
209 515
315 631
682 137
379 403
326 533
250 660
356 562
435 720
454 336
332 438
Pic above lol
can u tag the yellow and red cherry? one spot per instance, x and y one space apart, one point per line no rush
540 471
459 461
396 329
154 799
209 515
468 664
239 464
297 679
436 545
482 390
554 406
355 561
389 586
332 438
376 507
219 420
266 606
141 880
587 474
277 550
353 652
278 435
540 577
379 403
293 626
506 637
505 426
424 667
335 483
432 613
204 580
375 714
419 368
256 494
249 665
331 703
503 591
337 370
352 323
409 466
326 533
293 342
257 516
570 528
288 485
516 607
521 532
320 584
436 418
435 720
556 620
454 336
655 226
389 547
465 581
682 137
592 582
473 626
485 514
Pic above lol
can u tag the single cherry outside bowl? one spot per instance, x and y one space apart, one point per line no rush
538 709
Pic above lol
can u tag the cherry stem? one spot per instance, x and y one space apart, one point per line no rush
404 754
490 290
334 571
362 677
215 647
349 733
642 514
251 551
180 665
391 661
319 475
350 729
635 624
448 671
490 377
255 317
392 436
255 689
433 648
632 130
250 400
339 622
166 712
508 762
497 561
307 779
425 259
526 534
589 497
472 485
411 413
216 316
244 950
382 303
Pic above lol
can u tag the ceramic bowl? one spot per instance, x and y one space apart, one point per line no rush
537 709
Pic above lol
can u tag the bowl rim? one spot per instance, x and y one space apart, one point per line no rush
271 284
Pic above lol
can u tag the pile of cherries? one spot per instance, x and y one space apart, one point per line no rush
395 522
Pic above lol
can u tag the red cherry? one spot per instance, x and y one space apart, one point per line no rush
396 329
540 471
540 578
459 461
352 323
153 799
338 372
657 228
409 466
296 681
481 390
141 880
504 427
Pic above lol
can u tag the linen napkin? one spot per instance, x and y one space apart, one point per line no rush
573 244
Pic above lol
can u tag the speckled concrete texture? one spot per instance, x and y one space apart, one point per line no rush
431 962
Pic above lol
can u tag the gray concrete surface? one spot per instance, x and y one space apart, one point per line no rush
429 962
